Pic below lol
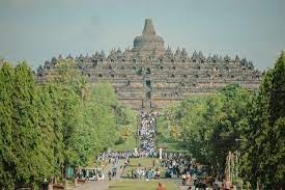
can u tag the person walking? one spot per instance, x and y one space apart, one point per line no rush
110 175
226 184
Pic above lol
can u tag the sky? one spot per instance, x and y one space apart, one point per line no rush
37 30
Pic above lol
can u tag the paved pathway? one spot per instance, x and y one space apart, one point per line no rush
178 183
104 184
94 185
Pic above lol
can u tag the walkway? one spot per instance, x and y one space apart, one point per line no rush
94 185
178 183
102 185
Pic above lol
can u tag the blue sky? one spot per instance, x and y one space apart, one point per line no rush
37 30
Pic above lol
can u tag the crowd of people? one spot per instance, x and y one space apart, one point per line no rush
175 164
90 174
146 131
144 173
115 155
172 165
111 156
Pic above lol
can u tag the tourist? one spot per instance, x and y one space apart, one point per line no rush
150 174
226 184
114 171
183 179
45 184
110 175
157 173
160 186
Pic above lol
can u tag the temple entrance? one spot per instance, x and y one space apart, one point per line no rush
148 84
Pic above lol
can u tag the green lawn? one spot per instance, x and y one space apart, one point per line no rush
135 184
128 145
146 162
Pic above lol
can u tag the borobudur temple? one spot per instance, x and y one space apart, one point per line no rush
152 76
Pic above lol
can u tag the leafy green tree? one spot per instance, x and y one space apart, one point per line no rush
194 128
209 126
265 152
65 72
25 132
47 134
256 140
89 124
58 107
83 88
102 100
46 127
71 113
277 91
276 135
7 156
231 122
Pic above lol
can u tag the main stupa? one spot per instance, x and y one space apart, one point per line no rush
148 41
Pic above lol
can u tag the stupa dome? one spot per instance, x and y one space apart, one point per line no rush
148 41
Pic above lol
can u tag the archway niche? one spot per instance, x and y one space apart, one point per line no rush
148 72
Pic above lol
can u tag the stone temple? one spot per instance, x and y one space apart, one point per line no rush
152 76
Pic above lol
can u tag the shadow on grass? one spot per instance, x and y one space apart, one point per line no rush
125 177
116 186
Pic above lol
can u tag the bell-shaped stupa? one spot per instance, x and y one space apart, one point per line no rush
148 41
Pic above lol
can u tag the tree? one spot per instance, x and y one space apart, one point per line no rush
25 131
210 125
45 110
194 128
45 127
7 157
231 121
265 151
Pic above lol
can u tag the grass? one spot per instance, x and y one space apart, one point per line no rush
145 162
128 145
100 164
145 185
